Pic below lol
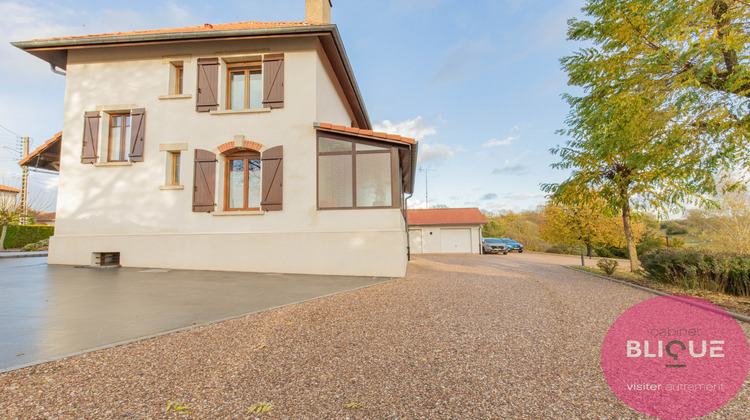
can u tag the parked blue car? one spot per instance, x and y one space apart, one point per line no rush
513 245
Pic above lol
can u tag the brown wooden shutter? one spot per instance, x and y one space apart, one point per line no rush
208 85
204 181
272 174
90 137
273 81
137 131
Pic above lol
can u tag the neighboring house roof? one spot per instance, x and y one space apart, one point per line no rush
46 156
466 216
9 189
408 156
45 217
55 50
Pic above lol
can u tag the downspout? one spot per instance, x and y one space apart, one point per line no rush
406 206
55 70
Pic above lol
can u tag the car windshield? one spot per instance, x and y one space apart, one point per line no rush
493 241
507 240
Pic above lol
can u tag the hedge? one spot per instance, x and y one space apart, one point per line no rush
720 272
19 236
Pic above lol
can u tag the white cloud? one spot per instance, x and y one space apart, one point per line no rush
435 152
416 128
504 142
511 167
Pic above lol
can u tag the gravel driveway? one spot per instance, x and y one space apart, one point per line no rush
460 337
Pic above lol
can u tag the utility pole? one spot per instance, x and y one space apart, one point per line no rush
426 174
24 216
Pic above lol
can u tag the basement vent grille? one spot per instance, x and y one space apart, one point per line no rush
106 259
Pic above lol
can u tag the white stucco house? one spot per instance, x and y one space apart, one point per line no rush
8 196
446 231
242 147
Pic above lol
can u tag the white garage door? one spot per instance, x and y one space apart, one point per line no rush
415 241
455 240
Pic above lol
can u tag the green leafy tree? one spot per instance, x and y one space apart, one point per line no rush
586 225
8 217
689 57
665 105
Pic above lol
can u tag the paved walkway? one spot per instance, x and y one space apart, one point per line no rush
47 312
460 337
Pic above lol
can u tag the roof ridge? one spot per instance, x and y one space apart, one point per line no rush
206 27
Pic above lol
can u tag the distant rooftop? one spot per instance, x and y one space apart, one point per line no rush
464 216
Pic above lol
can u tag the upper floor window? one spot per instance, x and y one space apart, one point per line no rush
245 86
119 137
354 174
256 83
179 75
242 186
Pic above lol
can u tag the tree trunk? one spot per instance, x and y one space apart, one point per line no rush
2 237
632 252
589 249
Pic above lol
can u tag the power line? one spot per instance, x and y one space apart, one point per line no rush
10 131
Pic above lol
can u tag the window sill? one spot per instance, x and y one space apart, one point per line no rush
239 213
177 96
105 164
240 111
171 187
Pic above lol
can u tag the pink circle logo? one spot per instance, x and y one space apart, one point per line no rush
675 357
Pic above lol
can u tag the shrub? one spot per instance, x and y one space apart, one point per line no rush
691 269
20 235
611 252
31 247
607 265
554 250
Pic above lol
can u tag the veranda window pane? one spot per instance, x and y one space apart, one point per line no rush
256 90
374 180
237 90
335 181
236 183
366 147
253 184
331 145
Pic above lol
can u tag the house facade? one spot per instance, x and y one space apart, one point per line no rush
8 196
445 231
237 147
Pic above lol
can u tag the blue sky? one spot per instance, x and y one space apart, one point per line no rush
477 82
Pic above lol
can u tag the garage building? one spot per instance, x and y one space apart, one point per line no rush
444 231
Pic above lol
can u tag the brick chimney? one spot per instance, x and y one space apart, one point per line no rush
318 11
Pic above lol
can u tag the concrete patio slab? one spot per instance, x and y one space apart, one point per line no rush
50 312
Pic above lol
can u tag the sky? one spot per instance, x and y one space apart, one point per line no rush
478 83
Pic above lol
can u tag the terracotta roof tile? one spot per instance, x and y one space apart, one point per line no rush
47 144
365 133
9 189
466 216
207 27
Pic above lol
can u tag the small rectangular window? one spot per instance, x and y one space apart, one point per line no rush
119 137
175 161
245 86
179 72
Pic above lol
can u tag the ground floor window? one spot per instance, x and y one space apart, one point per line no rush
242 185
